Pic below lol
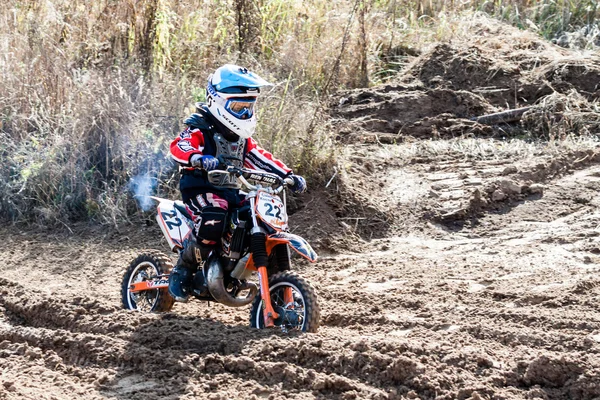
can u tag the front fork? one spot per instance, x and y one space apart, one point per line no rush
269 314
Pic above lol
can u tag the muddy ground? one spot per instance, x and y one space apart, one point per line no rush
502 304
455 268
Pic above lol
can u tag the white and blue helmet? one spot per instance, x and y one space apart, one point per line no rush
231 96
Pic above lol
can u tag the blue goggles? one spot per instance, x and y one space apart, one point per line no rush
241 108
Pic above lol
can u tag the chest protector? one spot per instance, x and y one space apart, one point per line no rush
216 145
235 150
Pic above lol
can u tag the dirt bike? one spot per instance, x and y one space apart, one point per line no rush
286 300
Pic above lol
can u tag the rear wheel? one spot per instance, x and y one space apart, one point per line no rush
147 266
301 314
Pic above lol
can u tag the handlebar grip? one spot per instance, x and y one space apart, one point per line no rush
222 163
289 181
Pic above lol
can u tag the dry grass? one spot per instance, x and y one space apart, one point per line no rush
93 92
558 116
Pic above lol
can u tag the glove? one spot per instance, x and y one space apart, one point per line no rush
207 162
299 185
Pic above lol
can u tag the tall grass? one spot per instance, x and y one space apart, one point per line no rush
92 92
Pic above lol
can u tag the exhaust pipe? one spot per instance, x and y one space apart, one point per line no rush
216 286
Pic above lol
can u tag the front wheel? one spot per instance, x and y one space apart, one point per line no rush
146 267
301 314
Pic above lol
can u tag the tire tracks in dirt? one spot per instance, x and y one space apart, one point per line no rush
504 308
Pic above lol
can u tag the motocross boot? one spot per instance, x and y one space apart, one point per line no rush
180 279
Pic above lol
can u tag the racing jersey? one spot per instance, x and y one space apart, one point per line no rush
202 138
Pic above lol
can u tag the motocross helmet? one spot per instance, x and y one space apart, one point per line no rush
231 98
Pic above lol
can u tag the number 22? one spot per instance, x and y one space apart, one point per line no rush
270 211
171 224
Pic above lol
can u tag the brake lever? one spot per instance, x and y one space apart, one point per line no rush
234 170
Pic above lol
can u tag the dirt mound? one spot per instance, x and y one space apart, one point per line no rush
509 67
445 87
546 371
568 74
551 91
467 68
505 80
396 108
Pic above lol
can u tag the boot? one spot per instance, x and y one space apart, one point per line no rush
180 279
179 282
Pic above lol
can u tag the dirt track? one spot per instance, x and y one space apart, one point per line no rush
504 305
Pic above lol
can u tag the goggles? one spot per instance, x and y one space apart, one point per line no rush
241 108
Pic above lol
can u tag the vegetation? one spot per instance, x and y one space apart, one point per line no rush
93 92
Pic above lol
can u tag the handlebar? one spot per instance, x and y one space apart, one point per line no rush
274 183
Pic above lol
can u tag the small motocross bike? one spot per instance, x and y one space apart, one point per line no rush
256 240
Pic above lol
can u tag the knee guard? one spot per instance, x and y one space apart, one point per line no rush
211 224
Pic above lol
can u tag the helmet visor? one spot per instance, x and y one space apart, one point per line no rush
242 108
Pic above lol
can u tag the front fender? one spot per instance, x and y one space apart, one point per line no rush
296 242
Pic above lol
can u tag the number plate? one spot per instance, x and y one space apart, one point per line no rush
272 211
173 225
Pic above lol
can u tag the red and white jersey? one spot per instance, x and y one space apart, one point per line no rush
188 143
255 157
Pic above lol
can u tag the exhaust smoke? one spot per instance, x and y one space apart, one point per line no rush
143 186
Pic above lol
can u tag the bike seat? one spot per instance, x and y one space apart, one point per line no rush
179 205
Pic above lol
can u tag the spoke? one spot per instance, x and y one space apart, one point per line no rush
144 300
277 297
288 320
